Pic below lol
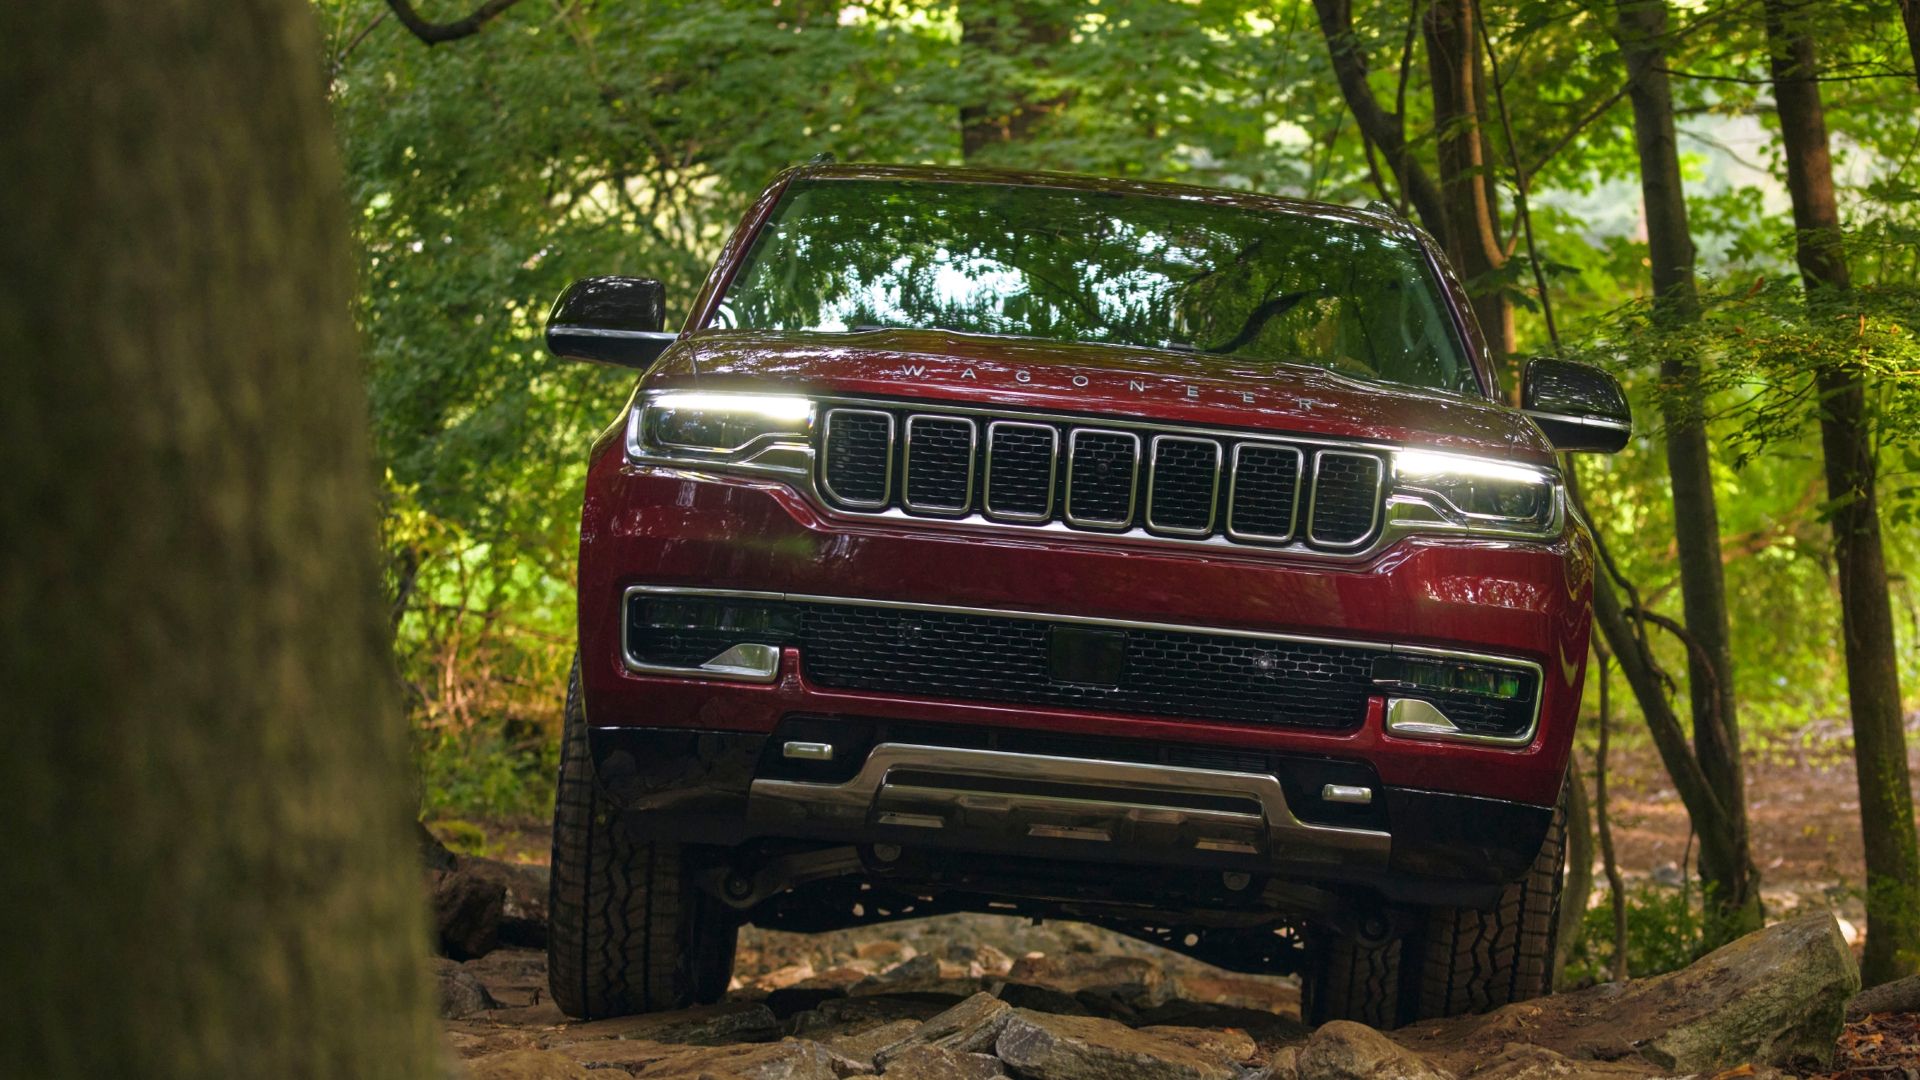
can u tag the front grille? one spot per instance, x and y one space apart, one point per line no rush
1166 673
1252 490
1112 667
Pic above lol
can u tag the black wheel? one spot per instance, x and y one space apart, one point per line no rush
1459 960
627 930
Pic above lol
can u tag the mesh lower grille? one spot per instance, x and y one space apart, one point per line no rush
982 658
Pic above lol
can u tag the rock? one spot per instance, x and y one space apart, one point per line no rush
523 898
971 1027
1283 1065
624 1055
866 1044
1271 995
1900 995
924 973
461 994
1524 1061
467 909
885 952
527 1065
790 1059
789 1001
933 1063
707 1025
1265 1028
1133 981
1775 997
1344 1050
1044 1047
1040 999
1229 1043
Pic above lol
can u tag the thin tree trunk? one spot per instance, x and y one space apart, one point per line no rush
1471 223
1910 17
1866 614
1577 886
1734 902
1016 34
210 866
1616 885
1386 129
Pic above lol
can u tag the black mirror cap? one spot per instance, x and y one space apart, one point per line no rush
1579 407
610 320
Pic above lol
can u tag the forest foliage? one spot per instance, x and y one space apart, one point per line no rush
573 137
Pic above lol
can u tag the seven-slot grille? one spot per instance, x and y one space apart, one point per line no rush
1099 478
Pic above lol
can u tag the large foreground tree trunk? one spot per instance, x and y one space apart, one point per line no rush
209 866
1866 615
1733 890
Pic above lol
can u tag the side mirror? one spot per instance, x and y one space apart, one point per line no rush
1578 406
610 320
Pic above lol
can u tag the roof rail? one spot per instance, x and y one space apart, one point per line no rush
825 157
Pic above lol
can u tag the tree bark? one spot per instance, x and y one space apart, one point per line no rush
1016 34
1734 902
211 868
1866 615
1470 209
1910 18
1387 130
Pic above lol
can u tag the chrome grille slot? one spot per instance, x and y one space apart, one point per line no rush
939 464
1346 498
1262 500
1020 470
1183 485
1102 474
857 468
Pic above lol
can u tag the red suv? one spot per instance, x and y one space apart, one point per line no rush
1153 556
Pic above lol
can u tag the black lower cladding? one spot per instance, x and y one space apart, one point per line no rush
693 786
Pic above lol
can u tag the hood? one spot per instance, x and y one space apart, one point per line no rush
1135 383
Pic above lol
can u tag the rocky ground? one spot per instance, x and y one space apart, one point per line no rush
977 996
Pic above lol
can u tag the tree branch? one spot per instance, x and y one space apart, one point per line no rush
1387 130
434 33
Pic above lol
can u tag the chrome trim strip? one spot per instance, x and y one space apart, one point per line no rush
1213 492
1379 493
807 751
1384 648
1414 718
1577 419
1300 481
1350 794
869 793
906 466
1133 480
1053 471
826 437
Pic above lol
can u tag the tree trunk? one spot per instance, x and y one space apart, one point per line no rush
1733 902
1384 129
1012 36
1910 17
1866 615
1471 211
212 870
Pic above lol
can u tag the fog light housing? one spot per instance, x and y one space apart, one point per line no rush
708 636
1446 677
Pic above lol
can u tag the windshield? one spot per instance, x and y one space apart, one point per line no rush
1089 266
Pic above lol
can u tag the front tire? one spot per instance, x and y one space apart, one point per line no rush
1457 961
627 929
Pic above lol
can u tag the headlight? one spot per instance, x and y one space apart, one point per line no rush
1479 493
718 423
